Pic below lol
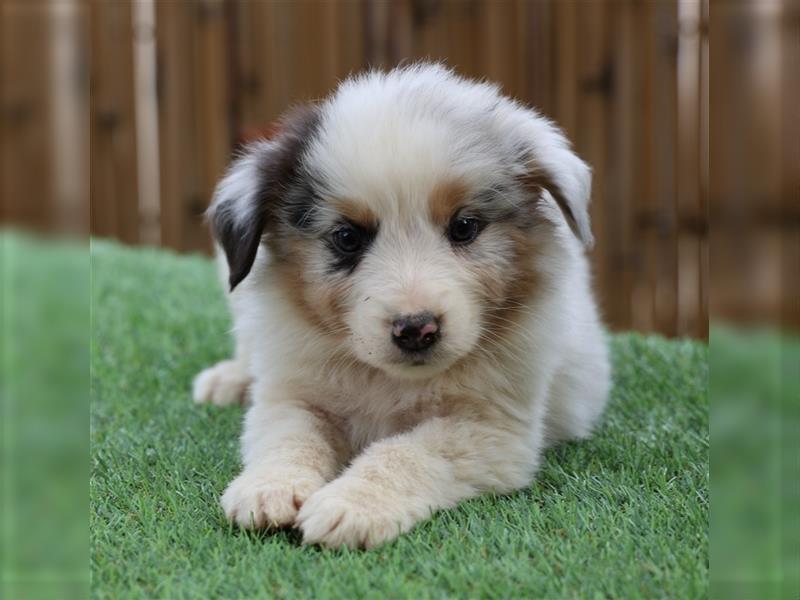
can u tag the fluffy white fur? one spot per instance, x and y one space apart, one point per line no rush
344 439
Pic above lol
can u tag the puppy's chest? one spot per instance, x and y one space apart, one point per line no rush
369 412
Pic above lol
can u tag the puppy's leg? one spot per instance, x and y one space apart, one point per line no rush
579 392
224 383
402 480
289 452
227 381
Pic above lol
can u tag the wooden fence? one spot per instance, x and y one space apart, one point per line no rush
176 85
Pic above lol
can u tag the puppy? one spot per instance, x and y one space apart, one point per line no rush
412 305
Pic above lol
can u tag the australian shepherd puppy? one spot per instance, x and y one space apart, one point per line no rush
412 307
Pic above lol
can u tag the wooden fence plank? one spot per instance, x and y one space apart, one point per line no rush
114 187
500 48
663 157
689 204
745 190
210 96
565 80
193 113
350 37
145 65
535 76
177 134
790 165
183 195
70 111
595 88
267 92
646 243
294 52
26 163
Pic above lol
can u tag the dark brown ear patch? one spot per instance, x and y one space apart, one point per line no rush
267 180
577 218
239 237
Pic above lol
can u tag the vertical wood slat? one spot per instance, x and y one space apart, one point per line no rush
114 188
177 136
654 88
721 117
350 35
376 29
314 67
500 49
257 46
278 64
44 121
565 65
26 165
211 114
195 139
790 164
430 30
644 201
745 187
663 157
70 110
145 74
536 52
703 121
690 206
594 86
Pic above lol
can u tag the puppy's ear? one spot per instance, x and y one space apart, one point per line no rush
570 186
549 164
237 214
246 199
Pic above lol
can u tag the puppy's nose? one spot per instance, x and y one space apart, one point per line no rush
413 333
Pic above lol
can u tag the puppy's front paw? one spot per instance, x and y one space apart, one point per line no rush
256 500
353 513
224 383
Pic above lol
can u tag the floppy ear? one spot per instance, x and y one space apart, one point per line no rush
570 186
552 166
237 216
246 199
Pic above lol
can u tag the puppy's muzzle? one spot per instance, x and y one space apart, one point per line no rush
416 333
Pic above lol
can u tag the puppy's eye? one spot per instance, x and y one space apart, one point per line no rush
463 230
348 240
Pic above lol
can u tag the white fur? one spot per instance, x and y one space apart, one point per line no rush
344 440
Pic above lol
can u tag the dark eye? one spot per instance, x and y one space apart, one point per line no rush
348 240
463 230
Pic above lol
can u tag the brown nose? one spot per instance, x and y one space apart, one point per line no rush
415 333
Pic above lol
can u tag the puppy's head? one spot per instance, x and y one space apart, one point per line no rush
408 216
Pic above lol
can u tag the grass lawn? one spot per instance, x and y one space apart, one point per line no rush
623 515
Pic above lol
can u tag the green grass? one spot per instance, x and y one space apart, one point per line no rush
622 515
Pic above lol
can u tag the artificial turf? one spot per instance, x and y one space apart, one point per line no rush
622 515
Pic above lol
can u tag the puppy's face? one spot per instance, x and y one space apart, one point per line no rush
412 239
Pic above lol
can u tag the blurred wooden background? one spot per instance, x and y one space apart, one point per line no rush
173 87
